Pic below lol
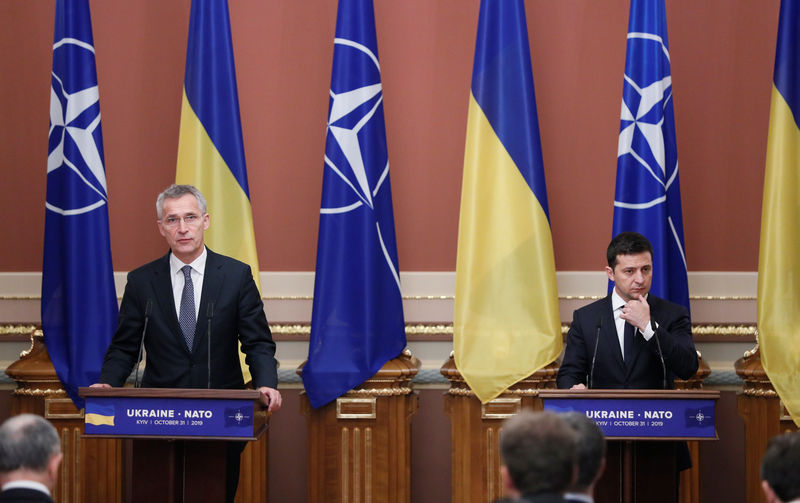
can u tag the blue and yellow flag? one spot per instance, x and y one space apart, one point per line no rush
648 193
99 415
79 302
210 147
778 258
357 320
506 321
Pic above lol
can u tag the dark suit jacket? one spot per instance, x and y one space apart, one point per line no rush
22 495
237 309
644 370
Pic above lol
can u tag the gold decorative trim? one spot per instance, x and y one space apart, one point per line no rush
428 297
705 329
760 393
304 329
515 404
17 329
517 392
38 392
560 297
404 390
342 402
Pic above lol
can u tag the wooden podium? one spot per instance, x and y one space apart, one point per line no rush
645 430
178 438
359 445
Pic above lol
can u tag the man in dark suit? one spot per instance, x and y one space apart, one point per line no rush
185 297
620 341
539 454
630 339
30 454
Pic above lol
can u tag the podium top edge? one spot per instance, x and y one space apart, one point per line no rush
675 394
221 394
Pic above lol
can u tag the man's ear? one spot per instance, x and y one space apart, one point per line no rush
508 484
769 494
52 467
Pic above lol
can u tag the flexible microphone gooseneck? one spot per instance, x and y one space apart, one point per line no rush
661 357
209 315
148 308
594 355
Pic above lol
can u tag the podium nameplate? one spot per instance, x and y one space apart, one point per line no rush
669 418
173 417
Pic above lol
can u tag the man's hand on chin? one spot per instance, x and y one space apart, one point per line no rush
270 398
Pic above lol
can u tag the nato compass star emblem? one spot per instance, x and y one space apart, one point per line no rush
644 104
75 158
351 115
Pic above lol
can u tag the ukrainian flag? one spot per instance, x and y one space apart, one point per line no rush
506 321
99 415
778 259
210 147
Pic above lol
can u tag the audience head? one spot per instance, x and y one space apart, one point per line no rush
780 469
591 451
29 450
538 450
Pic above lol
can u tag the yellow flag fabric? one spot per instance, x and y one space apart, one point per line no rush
779 249
210 146
506 320
779 258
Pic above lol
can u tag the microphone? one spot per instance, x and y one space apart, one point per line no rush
148 308
660 357
594 355
209 315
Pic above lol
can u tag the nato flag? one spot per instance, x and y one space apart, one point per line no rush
79 302
357 320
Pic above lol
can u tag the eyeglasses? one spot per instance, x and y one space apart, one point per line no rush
190 220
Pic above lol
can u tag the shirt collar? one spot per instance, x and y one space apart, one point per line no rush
198 265
26 484
579 497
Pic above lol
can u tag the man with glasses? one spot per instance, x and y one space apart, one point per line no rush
184 297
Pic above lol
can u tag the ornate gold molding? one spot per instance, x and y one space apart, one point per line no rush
705 329
38 392
304 329
430 297
16 329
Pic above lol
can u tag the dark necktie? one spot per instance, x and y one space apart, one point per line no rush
186 317
629 332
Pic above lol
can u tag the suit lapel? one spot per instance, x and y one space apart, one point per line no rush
213 278
162 286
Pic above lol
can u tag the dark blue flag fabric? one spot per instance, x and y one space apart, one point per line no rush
648 198
79 303
357 319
